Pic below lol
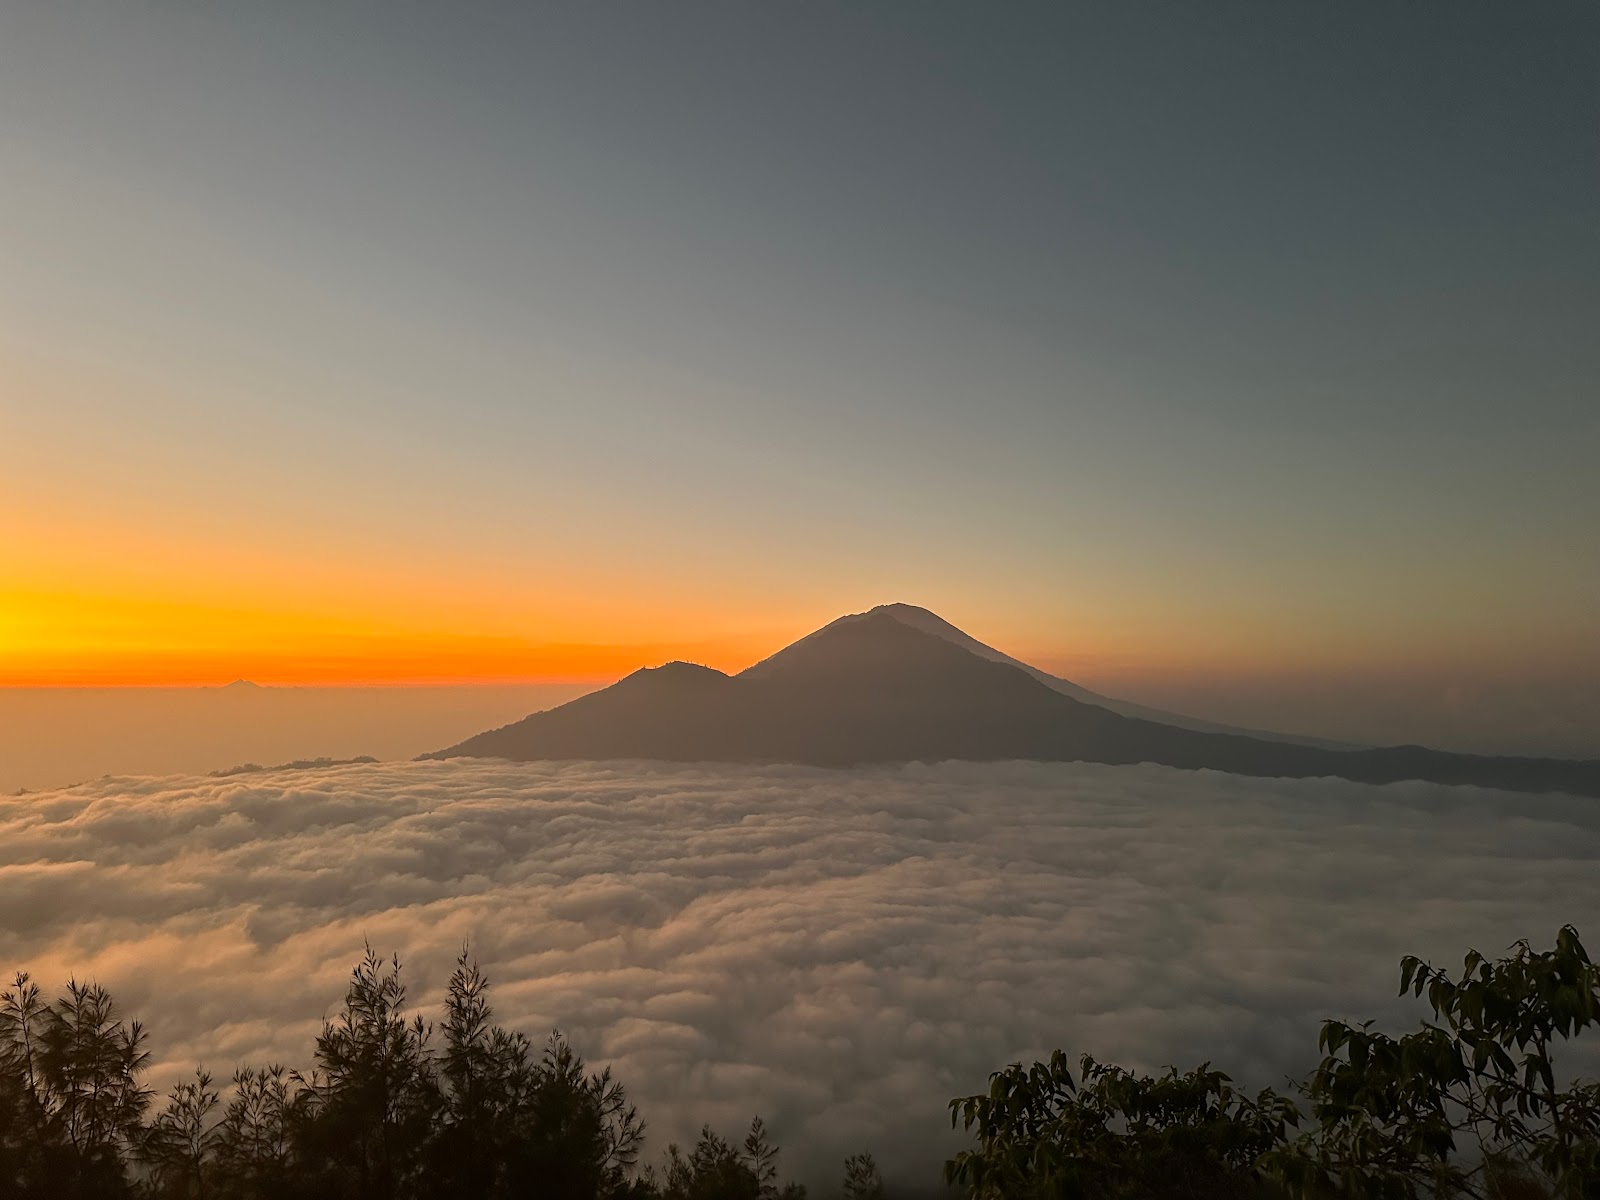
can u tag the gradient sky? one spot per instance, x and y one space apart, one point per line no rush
1151 342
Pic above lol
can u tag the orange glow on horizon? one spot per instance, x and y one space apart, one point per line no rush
73 640
101 605
290 656
367 662
103 600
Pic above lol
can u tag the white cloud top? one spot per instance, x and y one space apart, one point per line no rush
841 951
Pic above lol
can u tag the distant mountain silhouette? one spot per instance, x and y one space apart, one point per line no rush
876 688
299 764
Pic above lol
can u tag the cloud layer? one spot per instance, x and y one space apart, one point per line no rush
841 951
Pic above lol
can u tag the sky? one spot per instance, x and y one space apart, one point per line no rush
1201 351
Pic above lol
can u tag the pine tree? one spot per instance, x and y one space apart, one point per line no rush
762 1158
181 1139
861 1179
374 1097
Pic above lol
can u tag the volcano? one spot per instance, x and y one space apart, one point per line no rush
899 684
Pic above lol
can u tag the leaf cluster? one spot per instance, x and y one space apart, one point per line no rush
1113 1134
1468 1105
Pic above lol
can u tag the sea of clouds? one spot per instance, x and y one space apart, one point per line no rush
840 951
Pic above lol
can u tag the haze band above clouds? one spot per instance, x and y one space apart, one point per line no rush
841 951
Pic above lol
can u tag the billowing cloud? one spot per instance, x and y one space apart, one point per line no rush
841 951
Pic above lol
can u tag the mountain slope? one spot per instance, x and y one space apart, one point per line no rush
928 622
872 688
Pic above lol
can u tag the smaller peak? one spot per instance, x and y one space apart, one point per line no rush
674 672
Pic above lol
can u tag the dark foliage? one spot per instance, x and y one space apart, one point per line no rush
1471 1105
1467 1106
393 1109
71 1099
1116 1134
717 1170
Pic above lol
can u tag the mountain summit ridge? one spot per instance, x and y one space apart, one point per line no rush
900 684
930 622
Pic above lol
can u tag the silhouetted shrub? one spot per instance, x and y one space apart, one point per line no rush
1466 1106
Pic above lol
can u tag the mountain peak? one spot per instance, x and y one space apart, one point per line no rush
848 638
929 622
901 611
